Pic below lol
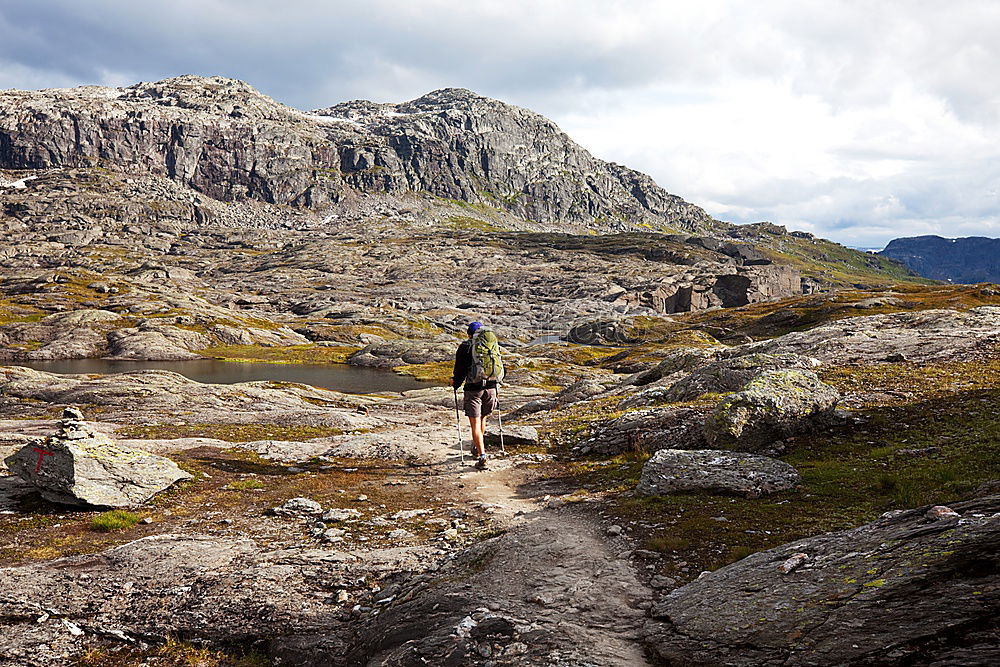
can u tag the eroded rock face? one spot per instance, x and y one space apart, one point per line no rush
772 406
729 288
77 466
678 471
901 590
227 140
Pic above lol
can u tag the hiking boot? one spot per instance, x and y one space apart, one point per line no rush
481 463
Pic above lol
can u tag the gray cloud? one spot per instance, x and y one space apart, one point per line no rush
904 94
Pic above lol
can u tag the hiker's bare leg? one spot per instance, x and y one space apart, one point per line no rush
482 429
476 424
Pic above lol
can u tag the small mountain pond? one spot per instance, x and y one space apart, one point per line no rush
339 377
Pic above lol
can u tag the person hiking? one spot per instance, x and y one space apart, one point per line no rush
478 367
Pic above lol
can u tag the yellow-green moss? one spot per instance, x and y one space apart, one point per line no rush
292 354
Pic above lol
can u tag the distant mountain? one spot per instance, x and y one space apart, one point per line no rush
974 259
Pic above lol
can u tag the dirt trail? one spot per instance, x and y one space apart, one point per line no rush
555 569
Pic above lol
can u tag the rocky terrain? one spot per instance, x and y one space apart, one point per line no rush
963 260
725 444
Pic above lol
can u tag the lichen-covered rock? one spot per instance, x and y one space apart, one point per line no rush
78 466
715 471
902 590
732 374
647 430
772 406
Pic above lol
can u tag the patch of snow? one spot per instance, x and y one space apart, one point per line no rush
328 120
18 185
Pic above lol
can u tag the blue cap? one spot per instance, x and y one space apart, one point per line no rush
474 327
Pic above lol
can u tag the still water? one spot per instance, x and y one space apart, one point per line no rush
340 377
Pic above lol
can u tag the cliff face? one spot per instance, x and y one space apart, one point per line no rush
227 140
974 259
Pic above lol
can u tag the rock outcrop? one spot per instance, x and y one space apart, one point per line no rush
732 374
668 427
923 336
77 466
904 589
735 473
772 406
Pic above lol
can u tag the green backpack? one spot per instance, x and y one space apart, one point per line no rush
486 362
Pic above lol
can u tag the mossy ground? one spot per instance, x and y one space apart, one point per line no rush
292 354
173 653
851 473
228 432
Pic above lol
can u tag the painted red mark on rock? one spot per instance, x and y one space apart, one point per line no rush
41 455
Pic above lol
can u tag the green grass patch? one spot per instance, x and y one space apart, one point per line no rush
246 485
114 520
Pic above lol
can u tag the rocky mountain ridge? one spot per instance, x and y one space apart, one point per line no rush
225 139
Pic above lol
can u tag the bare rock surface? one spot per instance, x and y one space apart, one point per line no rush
77 466
772 406
737 473
203 132
553 564
170 585
148 396
925 336
515 435
901 590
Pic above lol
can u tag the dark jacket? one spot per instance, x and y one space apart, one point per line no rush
463 364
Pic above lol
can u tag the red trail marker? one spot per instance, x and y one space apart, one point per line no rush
41 455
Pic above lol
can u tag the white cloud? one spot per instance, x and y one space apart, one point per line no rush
856 120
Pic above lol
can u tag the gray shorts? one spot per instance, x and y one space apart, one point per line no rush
480 403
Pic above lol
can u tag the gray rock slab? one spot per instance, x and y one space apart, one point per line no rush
900 590
750 475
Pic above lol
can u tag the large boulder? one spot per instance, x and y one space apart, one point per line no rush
726 375
715 471
512 435
647 430
772 406
77 466
908 589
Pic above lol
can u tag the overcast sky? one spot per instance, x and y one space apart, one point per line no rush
857 120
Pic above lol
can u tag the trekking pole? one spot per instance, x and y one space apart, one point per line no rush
458 423
500 421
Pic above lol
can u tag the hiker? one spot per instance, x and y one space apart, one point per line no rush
478 367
